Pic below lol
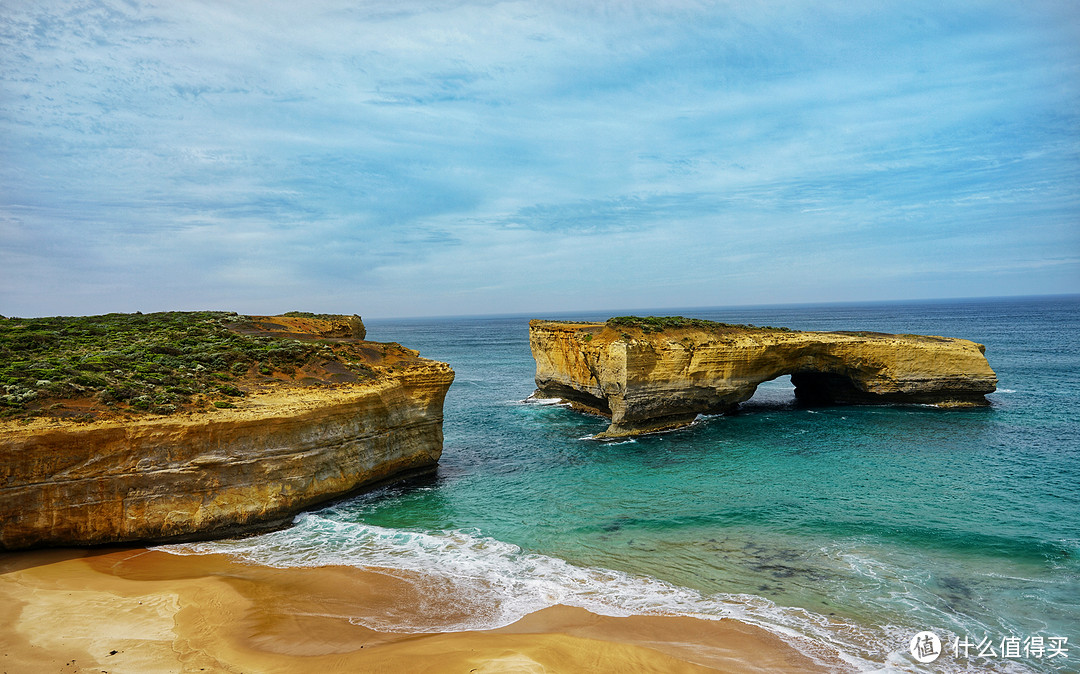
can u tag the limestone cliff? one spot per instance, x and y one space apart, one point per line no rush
281 448
647 379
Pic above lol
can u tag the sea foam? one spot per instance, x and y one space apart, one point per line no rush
502 583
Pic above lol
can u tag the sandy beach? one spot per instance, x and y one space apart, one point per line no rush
138 610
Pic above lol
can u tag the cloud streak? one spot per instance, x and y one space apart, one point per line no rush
433 158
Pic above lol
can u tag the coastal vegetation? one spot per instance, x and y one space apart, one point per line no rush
661 323
84 366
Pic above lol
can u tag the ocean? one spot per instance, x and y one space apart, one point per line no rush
847 530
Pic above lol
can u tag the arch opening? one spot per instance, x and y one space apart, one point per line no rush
809 388
814 388
776 392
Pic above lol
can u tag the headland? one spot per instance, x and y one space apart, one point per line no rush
181 426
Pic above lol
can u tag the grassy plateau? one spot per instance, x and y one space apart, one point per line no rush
88 367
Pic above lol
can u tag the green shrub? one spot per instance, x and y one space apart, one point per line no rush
650 324
123 357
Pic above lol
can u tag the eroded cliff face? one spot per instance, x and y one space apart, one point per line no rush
649 381
214 473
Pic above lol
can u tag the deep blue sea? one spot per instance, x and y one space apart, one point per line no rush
845 529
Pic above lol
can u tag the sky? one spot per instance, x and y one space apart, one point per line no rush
420 158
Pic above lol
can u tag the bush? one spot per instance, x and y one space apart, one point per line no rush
650 324
124 357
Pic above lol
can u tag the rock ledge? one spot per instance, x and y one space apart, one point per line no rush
647 378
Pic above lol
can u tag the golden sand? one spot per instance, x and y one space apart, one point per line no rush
143 611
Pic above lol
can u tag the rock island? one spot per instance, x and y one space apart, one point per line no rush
657 373
188 425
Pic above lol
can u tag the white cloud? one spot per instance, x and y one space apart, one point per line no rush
450 157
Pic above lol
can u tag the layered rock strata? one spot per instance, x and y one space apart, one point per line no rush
214 473
647 380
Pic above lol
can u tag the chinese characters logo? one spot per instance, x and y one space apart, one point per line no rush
925 647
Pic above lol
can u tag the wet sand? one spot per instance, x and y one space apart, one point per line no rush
137 610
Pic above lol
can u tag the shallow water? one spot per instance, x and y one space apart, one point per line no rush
847 528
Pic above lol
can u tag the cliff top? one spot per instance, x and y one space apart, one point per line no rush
123 366
635 327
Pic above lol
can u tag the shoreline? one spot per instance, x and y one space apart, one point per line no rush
142 610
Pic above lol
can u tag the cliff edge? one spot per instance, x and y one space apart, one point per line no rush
244 447
651 374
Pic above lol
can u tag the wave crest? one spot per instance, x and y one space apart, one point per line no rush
500 584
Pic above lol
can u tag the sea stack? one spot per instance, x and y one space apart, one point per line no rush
657 373
321 415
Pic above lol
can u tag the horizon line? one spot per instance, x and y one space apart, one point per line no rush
610 312
770 305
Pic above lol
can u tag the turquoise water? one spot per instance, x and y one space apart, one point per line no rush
847 529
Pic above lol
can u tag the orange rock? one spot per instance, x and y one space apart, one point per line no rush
647 381
217 472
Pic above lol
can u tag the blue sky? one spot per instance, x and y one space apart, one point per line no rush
416 158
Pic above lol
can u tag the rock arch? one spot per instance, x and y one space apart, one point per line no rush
648 379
